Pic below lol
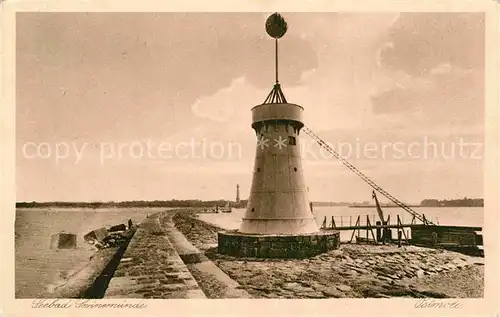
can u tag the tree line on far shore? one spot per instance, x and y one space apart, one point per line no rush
135 203
195 203
465 202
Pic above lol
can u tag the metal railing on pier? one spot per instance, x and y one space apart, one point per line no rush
370 224
334 222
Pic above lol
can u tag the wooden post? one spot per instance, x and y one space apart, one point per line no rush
388 232
359 222
384 233
379 231
369 225
323 225
400 225
354 231
334 226
434 238
367 222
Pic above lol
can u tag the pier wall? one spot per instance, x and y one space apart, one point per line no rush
277 246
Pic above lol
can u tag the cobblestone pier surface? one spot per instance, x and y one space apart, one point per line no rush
353 271
152 268
214 282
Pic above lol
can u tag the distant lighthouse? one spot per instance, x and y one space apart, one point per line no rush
278 202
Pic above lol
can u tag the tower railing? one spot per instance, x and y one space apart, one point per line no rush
365 178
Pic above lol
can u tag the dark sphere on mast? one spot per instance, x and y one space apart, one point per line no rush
276 26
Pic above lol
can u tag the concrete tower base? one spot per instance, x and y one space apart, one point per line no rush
239 244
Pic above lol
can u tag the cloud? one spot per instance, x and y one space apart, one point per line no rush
381 52
433 70
422 41
451 97
442 68
223 104
153 64
378 77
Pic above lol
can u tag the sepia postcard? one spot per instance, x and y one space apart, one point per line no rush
250 158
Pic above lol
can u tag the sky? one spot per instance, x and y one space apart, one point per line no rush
144 106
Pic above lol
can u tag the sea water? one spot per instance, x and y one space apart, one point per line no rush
36 265
345 216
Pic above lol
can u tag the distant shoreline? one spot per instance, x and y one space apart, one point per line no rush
417 206
390 206
194 203
132 204
174 207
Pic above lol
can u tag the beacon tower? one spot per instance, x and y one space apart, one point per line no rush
278 201
237 193
278 222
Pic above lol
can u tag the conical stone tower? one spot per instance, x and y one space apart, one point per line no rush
278 201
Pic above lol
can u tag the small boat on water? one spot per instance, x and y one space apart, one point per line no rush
226 208
214 209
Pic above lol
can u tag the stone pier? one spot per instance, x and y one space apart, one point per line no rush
152 268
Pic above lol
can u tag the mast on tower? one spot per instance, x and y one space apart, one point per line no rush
276 27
